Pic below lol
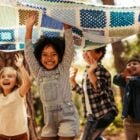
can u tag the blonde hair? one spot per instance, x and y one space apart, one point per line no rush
13 70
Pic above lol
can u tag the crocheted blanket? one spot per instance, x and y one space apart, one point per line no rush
99 24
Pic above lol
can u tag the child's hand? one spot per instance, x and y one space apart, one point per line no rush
19 60
30 21
73 73
127 72
66 26
92 66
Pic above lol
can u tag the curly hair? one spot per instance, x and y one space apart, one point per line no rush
57 43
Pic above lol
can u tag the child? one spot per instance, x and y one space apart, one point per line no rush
96 92
50 66
14 87
129 79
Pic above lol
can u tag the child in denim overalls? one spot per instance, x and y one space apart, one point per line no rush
50 65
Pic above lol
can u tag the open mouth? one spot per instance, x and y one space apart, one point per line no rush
6 83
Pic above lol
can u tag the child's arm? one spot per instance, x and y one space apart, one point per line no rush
73 73
26 82
28 51
119 80
75 86
30 21
69 49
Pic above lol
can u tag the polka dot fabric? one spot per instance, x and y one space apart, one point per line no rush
92 18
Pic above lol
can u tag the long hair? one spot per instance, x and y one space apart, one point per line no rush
14 71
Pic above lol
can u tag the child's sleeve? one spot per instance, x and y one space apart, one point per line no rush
119 80
69 49
30 58
135 82
78 89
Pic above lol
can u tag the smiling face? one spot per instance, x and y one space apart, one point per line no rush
49 58
8 80
91 54
133 67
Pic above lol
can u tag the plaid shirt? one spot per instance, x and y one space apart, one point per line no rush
101 99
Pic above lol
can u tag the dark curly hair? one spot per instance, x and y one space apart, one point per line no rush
57 43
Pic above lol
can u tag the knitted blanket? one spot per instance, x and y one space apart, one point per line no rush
99 24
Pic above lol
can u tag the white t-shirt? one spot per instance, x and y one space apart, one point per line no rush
13 115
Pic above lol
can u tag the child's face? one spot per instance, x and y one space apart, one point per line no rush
91 54
8 80
49 58
133 67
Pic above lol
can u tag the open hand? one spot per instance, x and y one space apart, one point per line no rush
19 60
30 21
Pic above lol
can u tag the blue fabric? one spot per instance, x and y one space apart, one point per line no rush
7 47
120 19
50 22
93 18
7 35
96 127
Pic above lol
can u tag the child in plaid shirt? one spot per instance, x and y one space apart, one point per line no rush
96 90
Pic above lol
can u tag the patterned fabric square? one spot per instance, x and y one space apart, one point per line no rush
7 35
23 14
21 46
21 34
92 18
77 31
7 47
6 19
121 32
51 34
119 19
50 22
65 15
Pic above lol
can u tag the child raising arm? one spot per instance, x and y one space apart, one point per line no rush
50 62
14 86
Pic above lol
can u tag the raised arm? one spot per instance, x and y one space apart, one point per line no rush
29 55
30 21
69 49
26 82
119 80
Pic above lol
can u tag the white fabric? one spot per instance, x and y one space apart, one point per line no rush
88 108
13 116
